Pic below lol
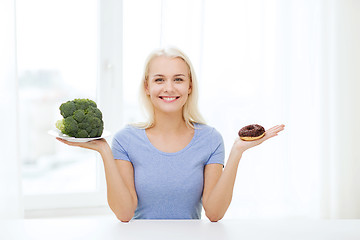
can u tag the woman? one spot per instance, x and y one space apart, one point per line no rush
172 165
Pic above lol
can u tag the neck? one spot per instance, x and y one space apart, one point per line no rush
169 122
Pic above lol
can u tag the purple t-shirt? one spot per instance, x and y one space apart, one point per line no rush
169 185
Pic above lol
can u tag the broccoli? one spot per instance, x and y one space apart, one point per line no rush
82 119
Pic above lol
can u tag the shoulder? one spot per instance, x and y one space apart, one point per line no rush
212 139
206 130
126 133
209 136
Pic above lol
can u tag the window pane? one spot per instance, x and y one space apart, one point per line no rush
57 50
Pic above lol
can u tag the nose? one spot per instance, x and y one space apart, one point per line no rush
168 86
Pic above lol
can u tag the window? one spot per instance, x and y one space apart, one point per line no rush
57 52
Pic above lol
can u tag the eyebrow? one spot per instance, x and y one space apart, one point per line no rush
176 75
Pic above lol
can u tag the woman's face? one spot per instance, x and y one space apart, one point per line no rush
168 84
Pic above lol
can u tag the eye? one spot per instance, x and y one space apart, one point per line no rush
178 80
159 80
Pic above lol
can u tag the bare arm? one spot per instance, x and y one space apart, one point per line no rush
119 174
219 185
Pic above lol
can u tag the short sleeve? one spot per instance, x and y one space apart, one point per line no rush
217 148
120 143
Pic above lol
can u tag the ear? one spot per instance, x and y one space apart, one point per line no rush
146 88
190 88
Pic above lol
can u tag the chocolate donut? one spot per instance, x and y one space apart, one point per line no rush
251 132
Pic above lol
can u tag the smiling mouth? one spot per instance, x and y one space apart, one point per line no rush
169 99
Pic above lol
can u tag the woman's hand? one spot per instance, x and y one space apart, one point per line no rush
97 145
242 145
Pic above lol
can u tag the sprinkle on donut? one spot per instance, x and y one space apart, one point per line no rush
251 132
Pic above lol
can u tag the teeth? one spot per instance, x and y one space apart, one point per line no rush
169 99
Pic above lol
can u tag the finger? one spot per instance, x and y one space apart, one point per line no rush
271 129
272 133
61 140
68 142
276 128
269 135
279 128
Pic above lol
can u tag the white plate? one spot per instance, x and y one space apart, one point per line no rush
59 134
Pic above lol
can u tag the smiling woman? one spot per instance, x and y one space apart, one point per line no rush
177 77
174 167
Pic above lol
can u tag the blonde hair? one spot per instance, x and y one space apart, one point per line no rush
191 113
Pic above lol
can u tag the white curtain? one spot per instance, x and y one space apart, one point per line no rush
268 70
273 62
10 197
